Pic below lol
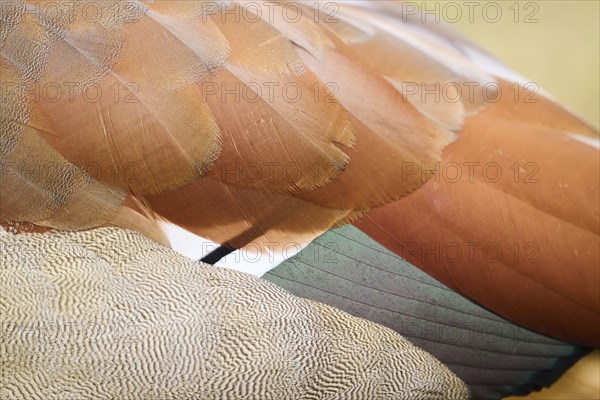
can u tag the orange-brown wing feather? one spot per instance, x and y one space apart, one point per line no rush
511 218
158 95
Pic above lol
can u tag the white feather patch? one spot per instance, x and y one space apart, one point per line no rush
250 259
590 141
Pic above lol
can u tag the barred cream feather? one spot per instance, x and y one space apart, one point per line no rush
109 314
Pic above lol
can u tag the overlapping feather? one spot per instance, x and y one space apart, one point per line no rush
180 111
157 101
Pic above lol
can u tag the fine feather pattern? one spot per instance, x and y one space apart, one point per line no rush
109 314
183 129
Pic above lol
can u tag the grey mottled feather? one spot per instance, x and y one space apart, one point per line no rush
348 270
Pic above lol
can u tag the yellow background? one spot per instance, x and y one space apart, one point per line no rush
560 52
